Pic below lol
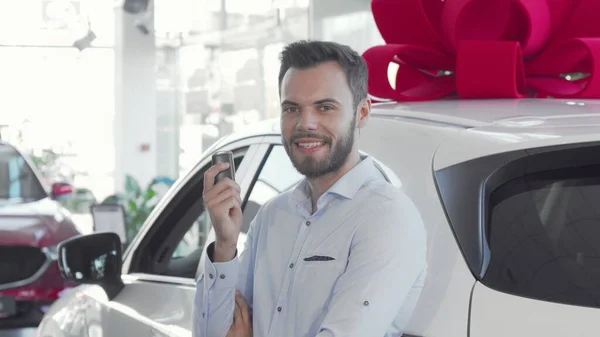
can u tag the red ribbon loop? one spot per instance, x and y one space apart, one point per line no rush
485 48
480 61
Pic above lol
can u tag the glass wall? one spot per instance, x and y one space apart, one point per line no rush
61 100
57 98
229 68
228 63
345 21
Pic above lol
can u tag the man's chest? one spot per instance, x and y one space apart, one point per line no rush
299 261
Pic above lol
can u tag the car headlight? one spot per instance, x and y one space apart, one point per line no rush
51 252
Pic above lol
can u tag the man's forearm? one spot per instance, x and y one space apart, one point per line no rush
223 252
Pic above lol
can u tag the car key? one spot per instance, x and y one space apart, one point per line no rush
224 157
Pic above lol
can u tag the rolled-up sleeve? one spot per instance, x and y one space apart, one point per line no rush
387 257
214 302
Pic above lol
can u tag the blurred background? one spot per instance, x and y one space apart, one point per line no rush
102 92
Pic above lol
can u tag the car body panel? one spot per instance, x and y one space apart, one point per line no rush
40 223
510 125
496 314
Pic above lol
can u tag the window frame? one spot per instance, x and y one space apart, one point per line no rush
163 212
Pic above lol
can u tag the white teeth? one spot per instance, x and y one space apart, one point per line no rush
310 145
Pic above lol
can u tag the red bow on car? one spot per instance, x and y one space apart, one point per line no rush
485 49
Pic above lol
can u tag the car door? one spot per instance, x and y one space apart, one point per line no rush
160 265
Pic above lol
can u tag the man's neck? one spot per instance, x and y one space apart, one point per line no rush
318 186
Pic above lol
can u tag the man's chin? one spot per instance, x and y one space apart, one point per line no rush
310 159
310 168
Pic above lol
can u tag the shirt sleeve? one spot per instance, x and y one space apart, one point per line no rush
387 257
214 301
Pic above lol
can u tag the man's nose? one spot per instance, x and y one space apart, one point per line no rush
307 120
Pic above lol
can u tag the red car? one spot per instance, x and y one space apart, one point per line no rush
32 223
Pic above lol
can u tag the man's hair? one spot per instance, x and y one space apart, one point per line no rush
308 54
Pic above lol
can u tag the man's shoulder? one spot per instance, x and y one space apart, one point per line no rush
383 191
391 206
384 199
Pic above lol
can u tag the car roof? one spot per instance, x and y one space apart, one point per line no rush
504 112
477 127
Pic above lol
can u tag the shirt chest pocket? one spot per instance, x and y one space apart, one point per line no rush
318 272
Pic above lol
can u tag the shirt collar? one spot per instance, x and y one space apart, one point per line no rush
347 186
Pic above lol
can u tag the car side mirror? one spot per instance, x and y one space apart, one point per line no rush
93 259
61 190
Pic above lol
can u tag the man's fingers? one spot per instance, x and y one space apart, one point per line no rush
211 173
237 315
224 207
221 197
240 302
224 185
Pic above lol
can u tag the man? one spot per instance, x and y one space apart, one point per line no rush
343 254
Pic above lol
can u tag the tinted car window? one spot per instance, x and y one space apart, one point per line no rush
544 235
18 182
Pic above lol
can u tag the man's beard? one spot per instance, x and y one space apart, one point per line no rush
333 162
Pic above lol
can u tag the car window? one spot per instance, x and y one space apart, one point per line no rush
18 182
195 238
544 237
276 176
173 246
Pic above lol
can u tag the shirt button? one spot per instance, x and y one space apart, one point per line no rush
366 303
222 276
308 223
210 276
291 265
279 309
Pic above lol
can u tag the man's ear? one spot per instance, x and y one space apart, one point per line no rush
364 111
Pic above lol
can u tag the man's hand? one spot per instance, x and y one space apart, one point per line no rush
224 205
242 322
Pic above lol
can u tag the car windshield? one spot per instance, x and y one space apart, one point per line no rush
18 182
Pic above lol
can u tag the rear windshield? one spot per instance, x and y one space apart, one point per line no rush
18 182
544 236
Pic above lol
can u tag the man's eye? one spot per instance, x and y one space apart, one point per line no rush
326 107
290 109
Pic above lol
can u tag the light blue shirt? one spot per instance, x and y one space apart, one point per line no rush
355 267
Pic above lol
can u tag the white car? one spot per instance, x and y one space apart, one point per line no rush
509 191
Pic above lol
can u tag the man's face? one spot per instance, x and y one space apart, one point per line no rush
318 119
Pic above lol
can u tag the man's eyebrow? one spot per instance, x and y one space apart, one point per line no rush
327 100
288 102
320 101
